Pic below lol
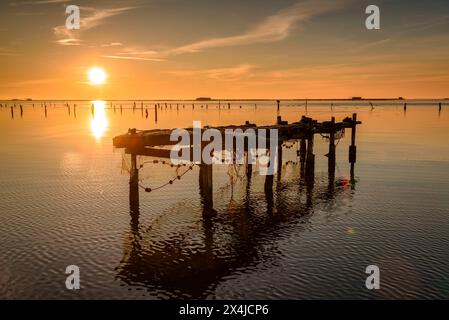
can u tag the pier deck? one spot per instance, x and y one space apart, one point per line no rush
154 143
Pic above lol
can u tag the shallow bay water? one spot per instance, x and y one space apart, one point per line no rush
65 199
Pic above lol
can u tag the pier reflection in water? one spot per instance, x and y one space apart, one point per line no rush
239 234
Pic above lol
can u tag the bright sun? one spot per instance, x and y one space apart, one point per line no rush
97 76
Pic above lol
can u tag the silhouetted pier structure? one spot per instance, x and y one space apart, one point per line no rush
149 143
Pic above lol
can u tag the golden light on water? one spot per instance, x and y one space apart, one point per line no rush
97 76
99 122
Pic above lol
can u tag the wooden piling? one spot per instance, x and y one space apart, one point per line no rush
310 157
302 156
206 184
352 147
134 174
155 113
278 103
331 154
279 160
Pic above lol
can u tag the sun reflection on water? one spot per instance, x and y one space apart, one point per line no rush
99 122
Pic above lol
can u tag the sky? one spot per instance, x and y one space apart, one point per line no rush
228 49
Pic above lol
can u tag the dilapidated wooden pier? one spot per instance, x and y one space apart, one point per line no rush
154 143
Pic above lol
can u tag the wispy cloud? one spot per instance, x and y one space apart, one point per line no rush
6 52
133 58
96 17
136 54
26 83
69 42
112 44
230 73
274 28
37 2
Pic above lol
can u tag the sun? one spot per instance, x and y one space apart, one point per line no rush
97 76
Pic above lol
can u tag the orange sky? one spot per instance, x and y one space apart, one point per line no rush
224 49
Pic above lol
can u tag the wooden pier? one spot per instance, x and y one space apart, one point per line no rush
154 143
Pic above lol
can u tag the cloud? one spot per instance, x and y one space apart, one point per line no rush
136 54
231 73
6 52
96 17
69 42
26 83
273 28
20 3
133 58
112 44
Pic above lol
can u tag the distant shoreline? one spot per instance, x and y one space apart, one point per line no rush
217 100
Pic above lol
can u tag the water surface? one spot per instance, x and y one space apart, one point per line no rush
65 199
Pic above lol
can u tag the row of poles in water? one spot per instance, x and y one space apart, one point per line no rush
114 107
159 106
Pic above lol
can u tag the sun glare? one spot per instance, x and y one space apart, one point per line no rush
99 122
97 76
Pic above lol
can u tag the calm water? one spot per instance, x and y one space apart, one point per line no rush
64 199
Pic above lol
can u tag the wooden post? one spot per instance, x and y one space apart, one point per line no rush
249 165
302 156
352 147
134 173
278 102
268 186
155 113
206 184
279 163
134 191
331 154
310 158
12 112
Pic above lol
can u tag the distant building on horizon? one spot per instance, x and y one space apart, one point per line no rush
356 98
204 99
